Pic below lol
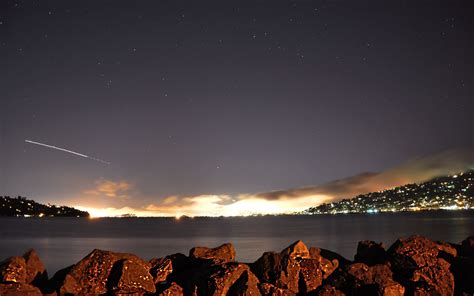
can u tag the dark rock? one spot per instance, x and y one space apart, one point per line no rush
160 269
268 289
35 271
371 253
235 277
413 253
361 279
295 269
434 280
311 275
16 289
329 255
90 275
130 277
246 285
279 270
13 270
328 290
296 250
172 290
223 253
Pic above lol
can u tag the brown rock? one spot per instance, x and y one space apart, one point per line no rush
16 289
311 275
328 290
231 276
130 277
13 269
223 253
268 289
160 269
173 290
35 271
382 278
279 270
434 280
327 266
90 275
413 253
371 253
296 250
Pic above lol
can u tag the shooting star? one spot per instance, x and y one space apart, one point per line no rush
68 151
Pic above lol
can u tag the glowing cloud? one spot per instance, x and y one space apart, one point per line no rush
110 189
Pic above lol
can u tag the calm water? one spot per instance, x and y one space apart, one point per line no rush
64 241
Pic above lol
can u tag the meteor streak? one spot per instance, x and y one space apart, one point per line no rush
68 151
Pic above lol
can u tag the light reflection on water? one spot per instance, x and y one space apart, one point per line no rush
64 241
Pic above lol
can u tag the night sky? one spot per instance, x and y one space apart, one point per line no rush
198 105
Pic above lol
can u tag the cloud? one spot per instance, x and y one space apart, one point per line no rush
110 189
290 200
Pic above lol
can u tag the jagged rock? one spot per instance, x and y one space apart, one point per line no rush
160 269
296 250
172 290
311 275
371 253
230 276
90 275
327 266
434 280
446 251
413 253
316 253
328 290
16 289
13 269
130 277
279 270
223 253
246 285
35 271
295 268
268 289
361 279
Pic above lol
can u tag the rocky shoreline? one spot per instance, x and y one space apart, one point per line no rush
411 266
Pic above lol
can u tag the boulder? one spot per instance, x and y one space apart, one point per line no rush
446 250
327 266
172 290
328 290
235 277
361 279
130 277
311 275
13 270
268 289
222 253
160 269
90 275
295 269
296 250
371 253
413 253
36 273
433 280
16 289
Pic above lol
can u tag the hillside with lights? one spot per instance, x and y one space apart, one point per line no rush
23 207
455 192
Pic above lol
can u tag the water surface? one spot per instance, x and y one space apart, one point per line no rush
64 241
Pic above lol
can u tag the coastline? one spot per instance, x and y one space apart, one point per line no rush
411 265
